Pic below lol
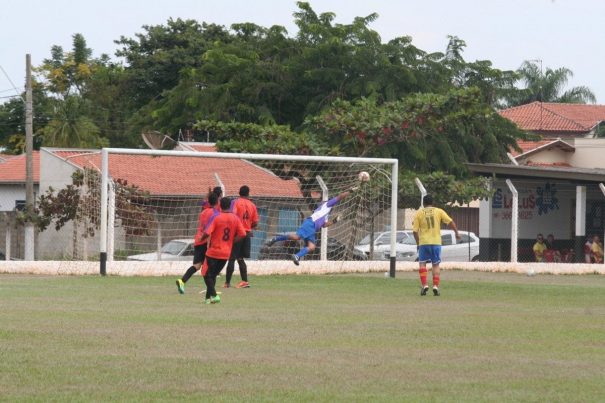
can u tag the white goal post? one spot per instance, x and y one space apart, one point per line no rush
378 195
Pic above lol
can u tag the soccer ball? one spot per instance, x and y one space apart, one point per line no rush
363 176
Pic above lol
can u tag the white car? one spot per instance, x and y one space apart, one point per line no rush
177 249
382 242
452 250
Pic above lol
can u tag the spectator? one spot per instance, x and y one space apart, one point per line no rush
597 249
588 250
539 248
551 254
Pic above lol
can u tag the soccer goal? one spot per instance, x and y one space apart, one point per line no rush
151 199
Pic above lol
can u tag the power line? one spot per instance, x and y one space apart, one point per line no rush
11 81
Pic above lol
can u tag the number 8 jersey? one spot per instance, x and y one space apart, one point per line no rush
427 223
225 227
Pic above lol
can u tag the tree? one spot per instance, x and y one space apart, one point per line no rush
426 132
70 127
67 77
156 57
547 86
80 203
12 120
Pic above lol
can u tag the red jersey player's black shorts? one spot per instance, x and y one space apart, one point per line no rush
214 266
241 248
199 253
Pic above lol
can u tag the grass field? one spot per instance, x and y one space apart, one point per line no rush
489 337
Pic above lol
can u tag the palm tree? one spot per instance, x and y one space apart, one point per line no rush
547 86
70 127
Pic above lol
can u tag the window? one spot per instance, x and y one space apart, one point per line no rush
446 239
188 251
401 236
464 238
383 239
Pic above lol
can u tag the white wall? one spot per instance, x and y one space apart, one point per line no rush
590 153
9 194
55 173
545 206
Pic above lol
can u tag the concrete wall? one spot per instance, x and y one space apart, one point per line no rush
589 153
55 173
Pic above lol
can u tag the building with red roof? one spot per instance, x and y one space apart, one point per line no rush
12 180
568 134
552 120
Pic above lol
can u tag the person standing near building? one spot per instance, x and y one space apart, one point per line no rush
245 209
427 232
208 214
597 249
539 248
221 233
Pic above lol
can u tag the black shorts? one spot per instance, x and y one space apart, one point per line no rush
199 253
214 266
241 248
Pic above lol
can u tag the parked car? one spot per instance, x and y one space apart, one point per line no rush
382 242
177 249
283 250
452 250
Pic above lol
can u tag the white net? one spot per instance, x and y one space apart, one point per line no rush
160 223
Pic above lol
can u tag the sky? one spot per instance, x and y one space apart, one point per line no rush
558 33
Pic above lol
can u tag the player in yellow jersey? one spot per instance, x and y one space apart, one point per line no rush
427 232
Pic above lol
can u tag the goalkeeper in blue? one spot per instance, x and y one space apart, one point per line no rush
315 222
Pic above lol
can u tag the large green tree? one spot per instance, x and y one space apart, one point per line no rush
427 132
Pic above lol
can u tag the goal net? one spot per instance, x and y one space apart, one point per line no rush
147 203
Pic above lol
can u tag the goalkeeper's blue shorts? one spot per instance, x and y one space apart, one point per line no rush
307 230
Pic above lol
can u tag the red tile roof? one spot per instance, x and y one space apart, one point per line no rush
168 175
13 170
556 117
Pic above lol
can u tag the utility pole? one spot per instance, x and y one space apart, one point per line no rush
29 160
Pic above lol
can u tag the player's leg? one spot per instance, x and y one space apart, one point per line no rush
306 232
208 280
423 258
236 253
436 260
230 271
215 270
244 252
284 237
199 252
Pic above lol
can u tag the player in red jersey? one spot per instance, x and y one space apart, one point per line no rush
209 212
245 209
222 232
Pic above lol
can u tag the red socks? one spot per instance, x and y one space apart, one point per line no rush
435 281
423 274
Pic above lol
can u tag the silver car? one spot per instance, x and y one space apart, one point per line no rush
464 250
177 249
382 242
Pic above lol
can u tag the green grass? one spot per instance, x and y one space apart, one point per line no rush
489 337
